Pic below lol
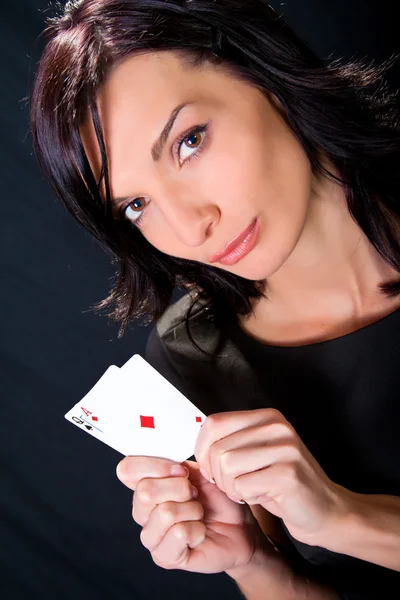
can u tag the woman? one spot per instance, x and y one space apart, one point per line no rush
284 233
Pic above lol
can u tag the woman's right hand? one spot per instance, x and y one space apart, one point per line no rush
206 534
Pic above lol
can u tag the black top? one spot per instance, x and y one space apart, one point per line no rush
340 395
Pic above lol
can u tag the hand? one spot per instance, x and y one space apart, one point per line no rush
208 534
257 456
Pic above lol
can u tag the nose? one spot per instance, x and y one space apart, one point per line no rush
190 219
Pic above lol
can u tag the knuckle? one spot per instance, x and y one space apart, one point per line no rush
186 491
137 518
212 420
279 429
144 490
180 531
198 510
295 447
227 461
167 512
134 515
274 413
160 561
144 539
291 450
217 448
240 490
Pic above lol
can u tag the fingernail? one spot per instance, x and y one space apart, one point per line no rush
236 500
206 475
179 470
195 492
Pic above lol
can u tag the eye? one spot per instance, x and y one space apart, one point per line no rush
192 140
133 211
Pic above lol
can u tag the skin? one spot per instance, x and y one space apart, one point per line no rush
322 275
256 454
322 272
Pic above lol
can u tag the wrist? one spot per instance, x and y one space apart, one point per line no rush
342 524
369 529
260 562
351 526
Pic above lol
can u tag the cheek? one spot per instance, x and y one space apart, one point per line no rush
264 174
288 181
159 235
287 177
282 199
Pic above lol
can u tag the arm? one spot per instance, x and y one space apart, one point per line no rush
369 529
268 577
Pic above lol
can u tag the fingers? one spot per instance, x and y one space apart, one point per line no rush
176 516
152 492
170 517
221 425
266 485
134 468
237 455
173 552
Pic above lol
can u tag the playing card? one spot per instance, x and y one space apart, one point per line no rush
141 413
167 423
86 414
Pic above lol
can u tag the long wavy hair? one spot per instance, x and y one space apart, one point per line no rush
343 110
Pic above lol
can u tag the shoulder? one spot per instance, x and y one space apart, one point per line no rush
197 355
176 314
188 327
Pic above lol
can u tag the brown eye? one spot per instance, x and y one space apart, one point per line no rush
137 204
133 210
191 141
196 139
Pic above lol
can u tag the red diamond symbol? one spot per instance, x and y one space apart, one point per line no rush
95 419
198 419
146 421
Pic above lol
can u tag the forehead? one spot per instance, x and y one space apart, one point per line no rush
138 96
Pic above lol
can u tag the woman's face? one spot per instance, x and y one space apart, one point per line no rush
238 162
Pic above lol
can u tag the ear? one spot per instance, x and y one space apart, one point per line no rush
276 102
277 105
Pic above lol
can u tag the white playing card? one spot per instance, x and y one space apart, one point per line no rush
143 414
86 414
166 422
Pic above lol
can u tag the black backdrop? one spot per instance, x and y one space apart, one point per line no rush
65 525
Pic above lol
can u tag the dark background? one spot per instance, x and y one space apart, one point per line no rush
65 525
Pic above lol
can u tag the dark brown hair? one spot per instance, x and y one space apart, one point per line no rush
342 110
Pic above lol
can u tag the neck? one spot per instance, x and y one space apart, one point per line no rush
333 273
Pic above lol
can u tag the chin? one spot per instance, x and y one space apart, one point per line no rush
253 272
256 268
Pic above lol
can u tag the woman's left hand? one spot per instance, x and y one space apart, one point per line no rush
257 456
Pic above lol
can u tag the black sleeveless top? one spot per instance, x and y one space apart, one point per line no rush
341 396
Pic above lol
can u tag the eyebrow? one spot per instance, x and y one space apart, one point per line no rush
158 146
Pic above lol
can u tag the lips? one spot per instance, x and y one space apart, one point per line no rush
238 246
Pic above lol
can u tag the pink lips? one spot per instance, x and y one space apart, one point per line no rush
239 246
